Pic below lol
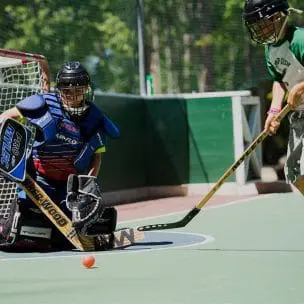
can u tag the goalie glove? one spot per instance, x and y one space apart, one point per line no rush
85 202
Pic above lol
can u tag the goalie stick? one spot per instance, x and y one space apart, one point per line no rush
13 144
196 209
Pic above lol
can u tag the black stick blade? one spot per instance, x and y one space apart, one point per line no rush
179 224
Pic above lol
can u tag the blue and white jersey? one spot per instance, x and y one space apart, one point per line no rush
61 141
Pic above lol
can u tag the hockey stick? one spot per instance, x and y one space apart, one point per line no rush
13 144
196 209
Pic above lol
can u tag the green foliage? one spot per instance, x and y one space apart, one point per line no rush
200 44
69 30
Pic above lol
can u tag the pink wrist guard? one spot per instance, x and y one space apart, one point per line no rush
273 111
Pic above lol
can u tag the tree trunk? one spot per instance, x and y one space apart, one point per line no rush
203 15
155 56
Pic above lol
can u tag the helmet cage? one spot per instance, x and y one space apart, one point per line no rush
267 30
74 99
265 23
74 85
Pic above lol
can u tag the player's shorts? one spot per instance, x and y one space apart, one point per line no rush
294 166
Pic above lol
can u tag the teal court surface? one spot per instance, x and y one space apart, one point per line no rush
246 251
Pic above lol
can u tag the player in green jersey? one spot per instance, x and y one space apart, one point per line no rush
267 23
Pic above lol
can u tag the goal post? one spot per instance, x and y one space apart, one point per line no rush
21 75
34 68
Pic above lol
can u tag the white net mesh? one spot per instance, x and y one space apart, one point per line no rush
18 80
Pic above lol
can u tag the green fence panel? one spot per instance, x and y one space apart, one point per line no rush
167 142
123 165
210 138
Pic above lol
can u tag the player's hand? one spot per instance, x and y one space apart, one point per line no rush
271 124
295 94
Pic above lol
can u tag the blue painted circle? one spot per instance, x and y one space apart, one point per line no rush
153 240
162 240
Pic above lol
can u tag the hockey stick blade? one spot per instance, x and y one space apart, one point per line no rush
179 224
192 213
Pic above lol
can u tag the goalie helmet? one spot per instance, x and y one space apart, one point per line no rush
266 19
74 85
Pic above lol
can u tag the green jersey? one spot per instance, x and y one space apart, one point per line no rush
285 60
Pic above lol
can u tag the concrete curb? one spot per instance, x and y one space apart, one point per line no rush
148 193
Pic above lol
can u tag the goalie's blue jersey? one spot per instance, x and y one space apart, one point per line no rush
55 158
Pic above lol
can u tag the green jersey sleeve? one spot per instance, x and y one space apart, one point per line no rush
296 37
297 45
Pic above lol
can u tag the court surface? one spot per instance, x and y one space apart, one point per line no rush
248 250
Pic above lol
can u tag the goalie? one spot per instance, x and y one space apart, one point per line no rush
65 160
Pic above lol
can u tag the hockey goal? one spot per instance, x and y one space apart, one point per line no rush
21 75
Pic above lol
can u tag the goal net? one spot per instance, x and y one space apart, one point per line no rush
21 75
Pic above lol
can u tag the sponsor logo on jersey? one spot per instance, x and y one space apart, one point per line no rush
99 138
69 127
66 139
281 64
43 119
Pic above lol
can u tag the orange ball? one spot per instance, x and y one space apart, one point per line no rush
88 261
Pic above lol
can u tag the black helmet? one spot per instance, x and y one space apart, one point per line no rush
72 74
265 19
74 85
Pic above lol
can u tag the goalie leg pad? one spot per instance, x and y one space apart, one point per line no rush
26 229
9 225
